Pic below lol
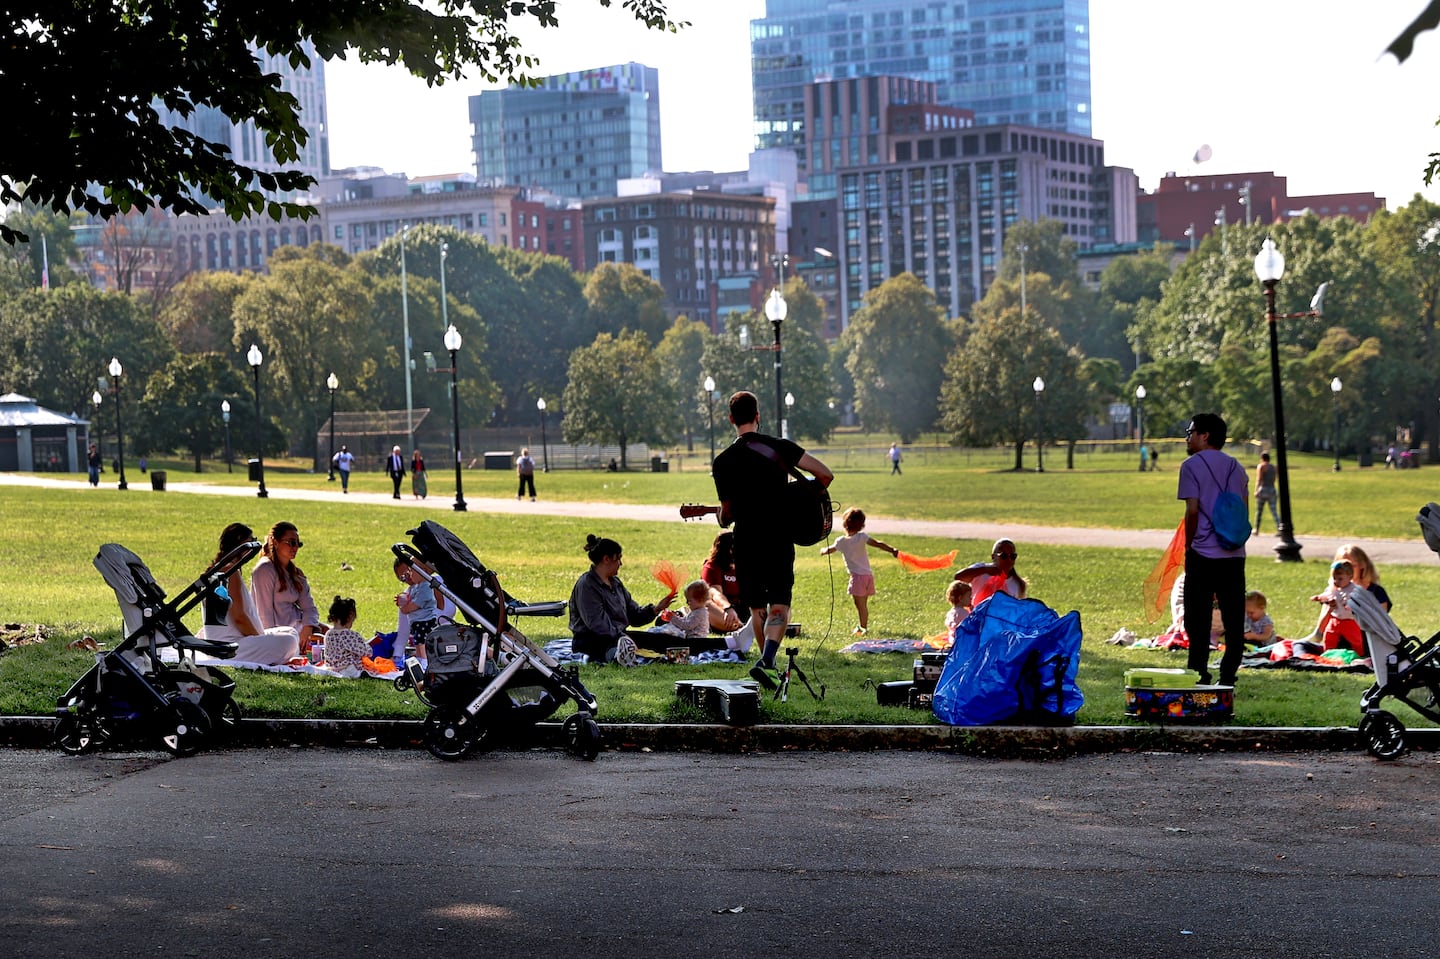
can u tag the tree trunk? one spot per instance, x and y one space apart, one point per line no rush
1019 456
1070 455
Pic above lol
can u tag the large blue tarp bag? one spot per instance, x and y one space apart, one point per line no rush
1012 660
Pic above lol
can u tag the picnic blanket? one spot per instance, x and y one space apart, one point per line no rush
375 668
927 645
561 651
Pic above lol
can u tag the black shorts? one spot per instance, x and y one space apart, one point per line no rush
765 572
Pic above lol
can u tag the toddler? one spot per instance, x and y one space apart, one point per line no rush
1338 628
957 594
344 648
1259 628
694 622
417 602
852 547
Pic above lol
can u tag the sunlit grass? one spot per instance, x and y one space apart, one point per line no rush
52 535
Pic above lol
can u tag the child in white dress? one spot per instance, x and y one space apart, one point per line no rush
852 546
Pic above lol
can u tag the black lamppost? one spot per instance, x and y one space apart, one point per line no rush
100 436
1039 387
544 440
452 343
115 372
1335 394
710 404
332 383
254 357
1140 420
225 415
1270 267
775 311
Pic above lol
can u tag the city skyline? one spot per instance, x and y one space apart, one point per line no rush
1343 116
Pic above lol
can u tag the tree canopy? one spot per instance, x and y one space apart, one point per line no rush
89 87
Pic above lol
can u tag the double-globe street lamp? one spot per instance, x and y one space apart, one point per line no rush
116 371
452 343
254 357
1269 268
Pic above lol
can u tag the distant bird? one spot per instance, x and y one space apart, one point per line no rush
346 566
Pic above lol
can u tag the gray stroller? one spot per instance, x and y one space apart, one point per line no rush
138 690
1406 668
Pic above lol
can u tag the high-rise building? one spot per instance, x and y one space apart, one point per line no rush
247 141
939 203
708 250
574 135
1011 62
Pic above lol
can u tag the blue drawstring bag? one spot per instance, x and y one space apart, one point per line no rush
1012 660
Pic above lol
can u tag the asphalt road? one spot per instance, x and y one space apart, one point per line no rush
315 853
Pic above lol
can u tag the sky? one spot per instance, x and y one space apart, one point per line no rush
1299 87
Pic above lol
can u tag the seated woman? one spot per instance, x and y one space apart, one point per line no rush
233 617
281 591
718 571
998 575
601 608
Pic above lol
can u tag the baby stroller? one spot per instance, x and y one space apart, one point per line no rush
1405 666
131 693
474 673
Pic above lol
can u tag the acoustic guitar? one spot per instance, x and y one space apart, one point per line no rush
809 514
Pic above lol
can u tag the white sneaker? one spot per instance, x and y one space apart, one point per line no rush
625 652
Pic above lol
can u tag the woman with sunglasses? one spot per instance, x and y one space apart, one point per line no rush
280 589
998 575
230 613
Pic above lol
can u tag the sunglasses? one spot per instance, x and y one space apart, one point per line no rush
1006 555
292 543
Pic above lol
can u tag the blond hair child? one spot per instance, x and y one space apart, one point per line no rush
1259 628
852 547
1338 628
957 594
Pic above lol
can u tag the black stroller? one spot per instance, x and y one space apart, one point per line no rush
1406 668
475 673
132 693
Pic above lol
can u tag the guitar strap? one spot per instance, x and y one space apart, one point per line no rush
769 452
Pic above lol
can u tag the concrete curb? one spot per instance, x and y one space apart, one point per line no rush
997 741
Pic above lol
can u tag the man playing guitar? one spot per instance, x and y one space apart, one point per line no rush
750 478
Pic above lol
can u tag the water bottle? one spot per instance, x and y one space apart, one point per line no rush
317 653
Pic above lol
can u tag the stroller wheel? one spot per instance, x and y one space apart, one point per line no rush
186 729
448 733
1382 734
227 721
582 735
75 735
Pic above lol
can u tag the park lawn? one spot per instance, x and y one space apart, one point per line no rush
51 537
939 483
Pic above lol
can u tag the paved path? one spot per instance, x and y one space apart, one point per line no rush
1383 552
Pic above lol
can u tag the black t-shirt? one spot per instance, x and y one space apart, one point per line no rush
752 482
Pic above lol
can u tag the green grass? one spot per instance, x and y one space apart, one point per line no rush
51 537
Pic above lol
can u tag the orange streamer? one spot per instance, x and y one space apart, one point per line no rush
669 575
922 564
1162 578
